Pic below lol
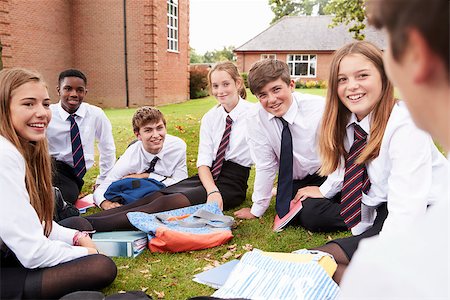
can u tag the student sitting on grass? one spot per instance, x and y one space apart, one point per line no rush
414 264
387 170
282 138
223 158
75 127
156 155
39 259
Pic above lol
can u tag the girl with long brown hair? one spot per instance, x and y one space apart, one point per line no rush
387 170
40 259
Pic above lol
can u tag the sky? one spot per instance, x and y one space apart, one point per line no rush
218 23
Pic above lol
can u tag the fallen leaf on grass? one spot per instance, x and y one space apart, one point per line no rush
238 255
248 247
310 233
144 271
160 295
208 267
232 247
227 255
155 261
144 288
123 267
329 238
180 128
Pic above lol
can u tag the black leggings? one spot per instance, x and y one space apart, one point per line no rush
91 272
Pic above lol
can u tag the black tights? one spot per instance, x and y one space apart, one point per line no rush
116 218
339 256
92 272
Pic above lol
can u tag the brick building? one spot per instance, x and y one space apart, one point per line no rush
133 52
305 43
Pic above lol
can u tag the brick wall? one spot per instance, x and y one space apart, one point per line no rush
53 35
246 59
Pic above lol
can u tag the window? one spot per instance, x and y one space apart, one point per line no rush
172 25
302 65
270 56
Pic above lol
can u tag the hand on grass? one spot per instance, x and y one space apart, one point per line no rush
307 192
244 213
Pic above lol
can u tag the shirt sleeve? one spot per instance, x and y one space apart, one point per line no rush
20 228
333 184
266 167
206 144
106 147
410 178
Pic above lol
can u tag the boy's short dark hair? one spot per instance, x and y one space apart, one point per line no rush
146 115
264 71
429 17
71 73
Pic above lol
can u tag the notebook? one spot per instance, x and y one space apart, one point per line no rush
120 243
217 276
84 203
279 224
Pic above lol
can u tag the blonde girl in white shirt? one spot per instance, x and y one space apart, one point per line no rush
229 188
404 172
39 258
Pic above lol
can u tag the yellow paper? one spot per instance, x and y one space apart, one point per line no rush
325 262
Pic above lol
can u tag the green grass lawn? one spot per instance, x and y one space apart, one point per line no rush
172 273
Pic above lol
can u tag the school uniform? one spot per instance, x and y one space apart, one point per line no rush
169 168
411 265
407 177
232 181
22 242
265 138
93 125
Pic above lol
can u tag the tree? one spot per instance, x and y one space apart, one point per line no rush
220 55
283 8
194 57
346 12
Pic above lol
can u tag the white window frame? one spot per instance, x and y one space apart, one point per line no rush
309 59
266 56
172 25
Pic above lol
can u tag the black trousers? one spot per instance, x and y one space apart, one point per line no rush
318 214
65 179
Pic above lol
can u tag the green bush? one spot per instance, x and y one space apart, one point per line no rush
323 84
311 84
198 83
245 77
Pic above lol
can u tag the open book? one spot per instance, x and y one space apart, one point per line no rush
279 224
120 243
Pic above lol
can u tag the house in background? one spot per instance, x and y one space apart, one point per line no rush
133 52
305 43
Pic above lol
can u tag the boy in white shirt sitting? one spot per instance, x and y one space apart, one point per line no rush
156 155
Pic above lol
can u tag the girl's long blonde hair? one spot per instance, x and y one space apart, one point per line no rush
231 69
336 115
38 175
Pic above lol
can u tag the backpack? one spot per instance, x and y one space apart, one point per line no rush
63 209
128 190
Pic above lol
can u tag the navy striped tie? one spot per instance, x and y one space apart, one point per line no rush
356 180
285 172
220 157
79 165
151 167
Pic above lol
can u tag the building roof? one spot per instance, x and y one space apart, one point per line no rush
297 33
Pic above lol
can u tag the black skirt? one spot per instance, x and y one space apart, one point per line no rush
350 244
12 276
232 184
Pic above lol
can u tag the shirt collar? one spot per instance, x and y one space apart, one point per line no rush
149 155
364 123
234 113
291 113
81 111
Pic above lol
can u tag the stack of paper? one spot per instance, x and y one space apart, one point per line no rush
120 243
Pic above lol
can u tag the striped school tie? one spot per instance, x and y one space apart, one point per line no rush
220 157
356 180
151 167
79 165
284 187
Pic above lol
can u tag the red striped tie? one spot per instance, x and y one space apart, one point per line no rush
356 180
220 157
79 165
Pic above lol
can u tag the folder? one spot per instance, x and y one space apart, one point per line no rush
120 243
217 276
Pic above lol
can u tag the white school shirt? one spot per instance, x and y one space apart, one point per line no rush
20 228
93 125
264 138
409 173
410 265
211 132
169 169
